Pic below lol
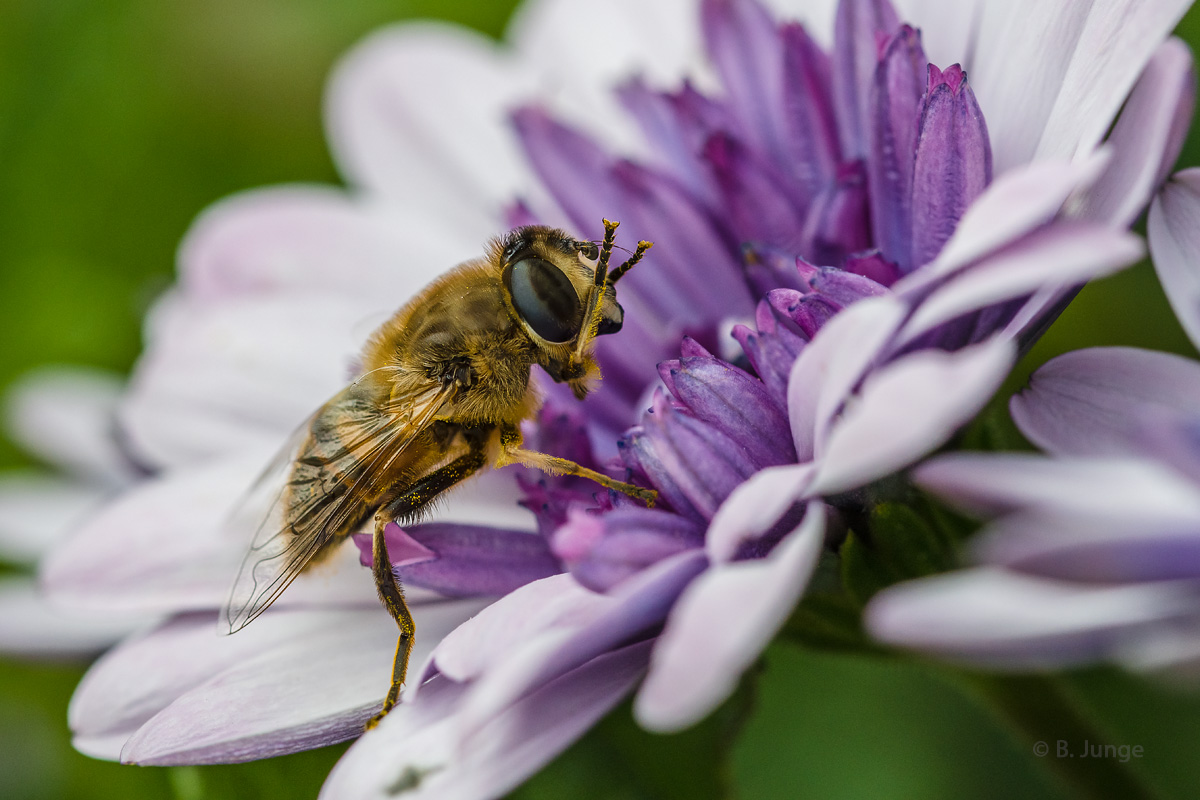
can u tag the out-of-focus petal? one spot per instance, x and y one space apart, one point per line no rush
1089 550
415 755
1175 246
461 164
1092 402
66 416
721 623
908 409
36 512
999 619
30 626
856 31
300 239
1103 488
1146 138
1064 254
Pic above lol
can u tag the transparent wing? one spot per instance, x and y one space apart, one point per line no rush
322 488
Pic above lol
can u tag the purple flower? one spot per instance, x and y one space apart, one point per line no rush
878 234
1092 553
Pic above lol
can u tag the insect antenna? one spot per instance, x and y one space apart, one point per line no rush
617 273
610 237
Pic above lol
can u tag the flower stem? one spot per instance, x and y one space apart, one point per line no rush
1052 725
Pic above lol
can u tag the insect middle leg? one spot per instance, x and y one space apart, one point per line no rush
411 501
511 452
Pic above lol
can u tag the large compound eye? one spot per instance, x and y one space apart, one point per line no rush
545 299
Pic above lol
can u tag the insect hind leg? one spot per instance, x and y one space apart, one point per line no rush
406 505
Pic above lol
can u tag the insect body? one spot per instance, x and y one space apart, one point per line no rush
444 390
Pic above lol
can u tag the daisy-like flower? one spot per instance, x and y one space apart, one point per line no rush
879 234
1092 554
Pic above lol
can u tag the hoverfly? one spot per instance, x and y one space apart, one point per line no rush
445 386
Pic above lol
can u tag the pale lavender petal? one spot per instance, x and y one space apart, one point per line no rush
999 619
460 560
66 416
289 695
634 609
857 27
461 164
422 756
1014 204
1114 46
602 550
1175 246
953 162
892 129
829 368
36 512
31 627
1090 551
1065 254
908 409
1091 402
755 507
217 377
721 624
1147 137
1101 488
314 239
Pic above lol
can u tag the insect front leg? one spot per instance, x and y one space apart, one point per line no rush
406 505
511 452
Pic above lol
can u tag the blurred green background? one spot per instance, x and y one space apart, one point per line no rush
121 119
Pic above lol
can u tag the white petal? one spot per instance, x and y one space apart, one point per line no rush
1000 619
311 688
305 239
37 512
1105 488
65 415
1175 245
1116 42
721 624
1146 138
908 409
30 626
418 114
948 30
1064 254
828 368
754 507
217 378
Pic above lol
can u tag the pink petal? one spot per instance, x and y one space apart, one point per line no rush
999 619
1092 402
422 756
1063 254
31 627
908 409
64 415
1175 246
1099 488
249 370
314 239
1146 138
721 624
829 368
459 163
